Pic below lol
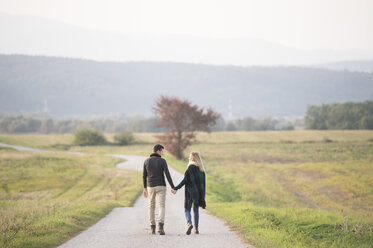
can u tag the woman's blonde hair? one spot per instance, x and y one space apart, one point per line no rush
196 158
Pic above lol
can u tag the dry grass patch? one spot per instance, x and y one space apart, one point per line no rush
47 198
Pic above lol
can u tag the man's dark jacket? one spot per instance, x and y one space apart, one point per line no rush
154 169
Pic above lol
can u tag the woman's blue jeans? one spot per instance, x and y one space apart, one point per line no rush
189 216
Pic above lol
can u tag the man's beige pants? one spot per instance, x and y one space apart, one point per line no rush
160 193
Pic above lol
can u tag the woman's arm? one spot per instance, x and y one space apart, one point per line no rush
181 184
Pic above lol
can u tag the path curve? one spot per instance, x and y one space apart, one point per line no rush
129 226
29 149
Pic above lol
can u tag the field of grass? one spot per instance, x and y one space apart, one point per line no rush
45 199
39 140
281 189
64 141
295 195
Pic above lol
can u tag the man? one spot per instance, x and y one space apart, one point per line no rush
154 185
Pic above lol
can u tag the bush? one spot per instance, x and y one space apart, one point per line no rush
124 138
89 137
327 140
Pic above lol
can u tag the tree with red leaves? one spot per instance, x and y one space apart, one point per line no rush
182 119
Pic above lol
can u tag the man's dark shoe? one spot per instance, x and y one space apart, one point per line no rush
152 229
190 227
196 230
160 229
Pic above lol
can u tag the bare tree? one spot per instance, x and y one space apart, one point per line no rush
182 119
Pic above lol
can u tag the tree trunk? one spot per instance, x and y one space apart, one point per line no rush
179 154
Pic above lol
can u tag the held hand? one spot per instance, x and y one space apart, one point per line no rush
145 193
173 191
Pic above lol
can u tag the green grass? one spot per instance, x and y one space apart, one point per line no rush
293 227
281 189
293 191
293 194
64 141
297 189
61 141
46 199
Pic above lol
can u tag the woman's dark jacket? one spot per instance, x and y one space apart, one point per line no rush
195 187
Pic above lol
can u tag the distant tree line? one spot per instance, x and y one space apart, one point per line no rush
258 124
340 116
24 124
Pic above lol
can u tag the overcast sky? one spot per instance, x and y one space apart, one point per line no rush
330 24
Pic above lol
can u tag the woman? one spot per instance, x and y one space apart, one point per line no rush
195 185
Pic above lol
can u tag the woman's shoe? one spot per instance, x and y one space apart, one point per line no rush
196 230
190 227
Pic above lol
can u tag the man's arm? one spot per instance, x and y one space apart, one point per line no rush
168 176
144 176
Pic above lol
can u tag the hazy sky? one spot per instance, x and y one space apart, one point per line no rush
331 24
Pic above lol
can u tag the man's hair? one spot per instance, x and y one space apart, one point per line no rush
157 147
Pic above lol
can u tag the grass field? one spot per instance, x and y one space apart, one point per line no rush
303 189
278 189
45 199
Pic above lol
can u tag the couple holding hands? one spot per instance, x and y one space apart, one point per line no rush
155 167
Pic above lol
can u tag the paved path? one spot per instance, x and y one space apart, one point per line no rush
129 227
23 149
28 149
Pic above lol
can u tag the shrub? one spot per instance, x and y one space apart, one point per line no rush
327 140
124 138
89 137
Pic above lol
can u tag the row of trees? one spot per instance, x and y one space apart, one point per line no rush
340 116
22 124
327 116
259 124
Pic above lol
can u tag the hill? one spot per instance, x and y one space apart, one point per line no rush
75 87
358 65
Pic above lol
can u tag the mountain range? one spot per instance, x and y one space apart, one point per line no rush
66 87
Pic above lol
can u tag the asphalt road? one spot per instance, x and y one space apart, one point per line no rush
129 227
